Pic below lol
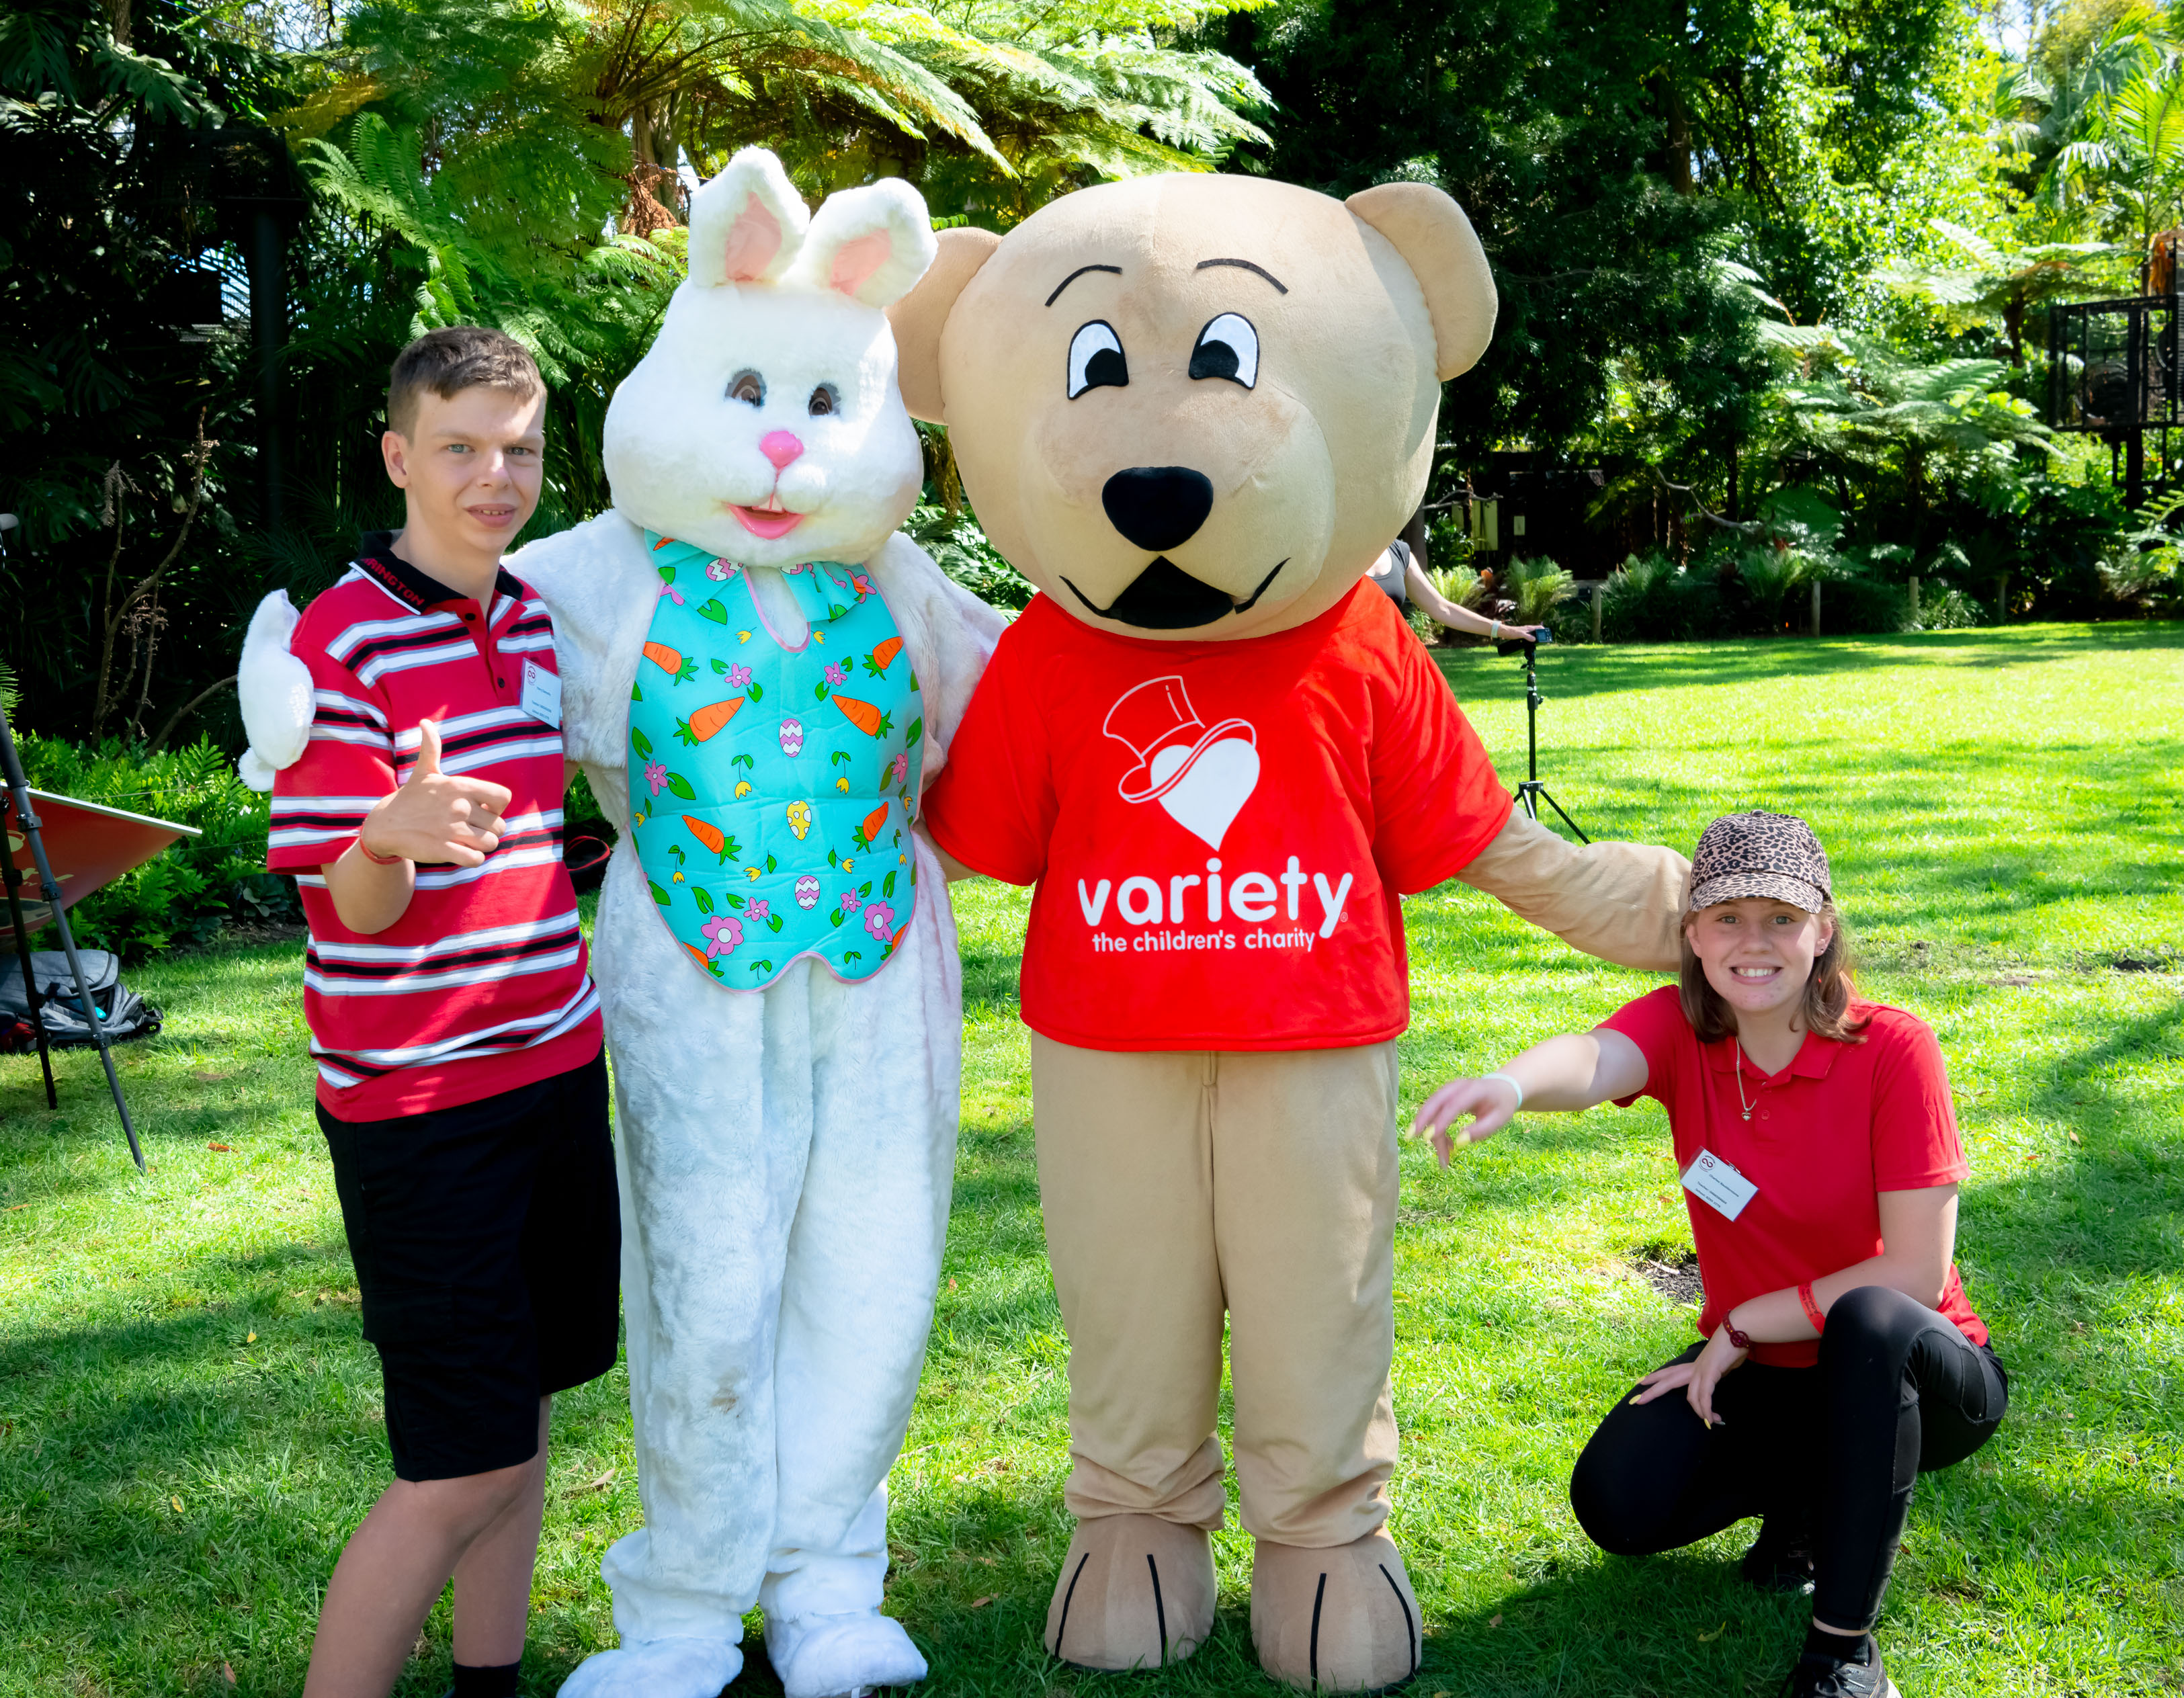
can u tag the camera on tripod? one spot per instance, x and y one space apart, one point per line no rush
1532 791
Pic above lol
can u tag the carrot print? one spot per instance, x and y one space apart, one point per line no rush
706 721
670 662
864 715
884 656
713 837
876 821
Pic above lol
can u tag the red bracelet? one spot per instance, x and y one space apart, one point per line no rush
1812 1309
378 859
1740 1339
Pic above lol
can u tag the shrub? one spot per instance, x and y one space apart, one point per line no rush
179 897
960 548
1536 586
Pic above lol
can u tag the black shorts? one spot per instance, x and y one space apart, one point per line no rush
487 1244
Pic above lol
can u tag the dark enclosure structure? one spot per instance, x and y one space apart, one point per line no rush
2113 371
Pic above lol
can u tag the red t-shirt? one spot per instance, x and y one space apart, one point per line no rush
1840 1124
480 986
1219 831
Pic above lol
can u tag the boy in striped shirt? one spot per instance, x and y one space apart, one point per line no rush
462 1087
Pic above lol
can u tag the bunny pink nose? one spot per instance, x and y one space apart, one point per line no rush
780 448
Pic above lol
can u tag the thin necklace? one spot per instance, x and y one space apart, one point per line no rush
1747 1107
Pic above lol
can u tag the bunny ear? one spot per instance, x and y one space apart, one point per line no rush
748 224
871 244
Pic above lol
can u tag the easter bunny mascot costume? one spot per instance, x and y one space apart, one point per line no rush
1193 410
758 674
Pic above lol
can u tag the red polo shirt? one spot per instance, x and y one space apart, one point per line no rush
481 986
1840 1124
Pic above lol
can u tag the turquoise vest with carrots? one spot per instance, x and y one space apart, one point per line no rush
770 789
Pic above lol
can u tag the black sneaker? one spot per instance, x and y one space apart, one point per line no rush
1780 1561
1819 1675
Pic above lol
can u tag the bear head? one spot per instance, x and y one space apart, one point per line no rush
1193 406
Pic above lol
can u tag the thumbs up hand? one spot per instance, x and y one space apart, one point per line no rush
434 817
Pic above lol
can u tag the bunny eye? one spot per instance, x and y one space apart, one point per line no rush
1095 359
748 386
825 399
1228 348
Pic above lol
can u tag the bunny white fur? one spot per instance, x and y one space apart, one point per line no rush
785 1156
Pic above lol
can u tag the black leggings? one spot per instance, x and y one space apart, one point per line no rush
1898 1392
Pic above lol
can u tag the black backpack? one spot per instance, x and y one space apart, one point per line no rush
124 1014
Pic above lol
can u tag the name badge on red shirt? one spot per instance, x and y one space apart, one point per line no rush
1712 1180
541 694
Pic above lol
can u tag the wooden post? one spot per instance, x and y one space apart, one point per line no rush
1914 598
1599 595
1816 607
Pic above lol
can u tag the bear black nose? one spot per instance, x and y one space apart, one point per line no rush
1158 507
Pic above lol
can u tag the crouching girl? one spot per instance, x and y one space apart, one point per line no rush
1813 1131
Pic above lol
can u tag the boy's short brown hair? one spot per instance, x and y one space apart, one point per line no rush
449 361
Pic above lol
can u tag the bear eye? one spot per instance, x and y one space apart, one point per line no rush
825 399
1228 348
1095 359
748 386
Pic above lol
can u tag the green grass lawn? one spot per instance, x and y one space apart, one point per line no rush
189 1424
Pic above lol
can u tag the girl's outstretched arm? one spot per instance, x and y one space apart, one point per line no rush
1579 1070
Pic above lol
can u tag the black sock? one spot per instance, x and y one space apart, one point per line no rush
1819 1642
472 1682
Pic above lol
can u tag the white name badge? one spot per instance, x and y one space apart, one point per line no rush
1712 1180
541 694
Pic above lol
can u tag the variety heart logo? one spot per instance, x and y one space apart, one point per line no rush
1202 776
1206 801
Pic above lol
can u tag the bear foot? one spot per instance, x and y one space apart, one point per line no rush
657 1668
1339 1620
841 1656
1135 1592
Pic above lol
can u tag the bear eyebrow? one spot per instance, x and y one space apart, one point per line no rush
1246 265
1079 272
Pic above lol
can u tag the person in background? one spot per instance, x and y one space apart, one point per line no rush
1839 1357
1400 574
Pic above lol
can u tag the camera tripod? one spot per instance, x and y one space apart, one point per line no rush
1532 790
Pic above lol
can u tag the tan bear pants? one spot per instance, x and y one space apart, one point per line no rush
1178 1185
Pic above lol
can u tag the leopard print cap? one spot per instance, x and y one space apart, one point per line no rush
1759 854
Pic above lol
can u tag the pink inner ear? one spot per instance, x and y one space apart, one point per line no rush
856 261
753 240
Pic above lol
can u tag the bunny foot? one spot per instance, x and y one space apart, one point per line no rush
658 1669
841 1656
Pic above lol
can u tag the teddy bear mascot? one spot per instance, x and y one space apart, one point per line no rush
1193 409
759 674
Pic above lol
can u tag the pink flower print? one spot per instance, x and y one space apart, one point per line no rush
655 775
851 902
835 675
807 892
720 571
722 933
739 677
791 738
758 909
673 593
902 767
879 921
863 583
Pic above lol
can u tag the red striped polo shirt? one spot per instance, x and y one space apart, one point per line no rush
481 986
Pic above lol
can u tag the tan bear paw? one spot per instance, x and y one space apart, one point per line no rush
1135 1592
1338 1620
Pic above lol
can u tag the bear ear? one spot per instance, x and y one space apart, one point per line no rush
746 224
920 315
1436 240
870 243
